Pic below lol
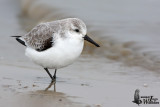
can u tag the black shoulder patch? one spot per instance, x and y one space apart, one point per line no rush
47 44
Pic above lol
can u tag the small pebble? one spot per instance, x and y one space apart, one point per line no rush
145 85
98 105
84 84
33 85
25 87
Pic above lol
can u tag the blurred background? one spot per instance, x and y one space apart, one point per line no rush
128 32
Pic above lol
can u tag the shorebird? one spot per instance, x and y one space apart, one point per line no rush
55 44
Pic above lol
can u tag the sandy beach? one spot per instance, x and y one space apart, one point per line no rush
105 77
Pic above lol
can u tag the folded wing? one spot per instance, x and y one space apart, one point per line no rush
40 37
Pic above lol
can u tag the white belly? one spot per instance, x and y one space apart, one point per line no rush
62 54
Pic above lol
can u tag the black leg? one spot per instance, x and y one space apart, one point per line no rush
48 73
54 76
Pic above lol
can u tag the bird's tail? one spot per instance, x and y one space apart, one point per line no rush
19 39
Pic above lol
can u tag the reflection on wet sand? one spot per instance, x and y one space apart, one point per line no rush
34 93
50 85
47 98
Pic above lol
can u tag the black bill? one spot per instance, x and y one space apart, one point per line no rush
90 40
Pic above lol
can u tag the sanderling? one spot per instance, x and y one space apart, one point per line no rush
55 44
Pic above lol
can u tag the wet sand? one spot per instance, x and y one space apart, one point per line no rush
94 80
77 85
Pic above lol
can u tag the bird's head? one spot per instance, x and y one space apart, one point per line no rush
78 30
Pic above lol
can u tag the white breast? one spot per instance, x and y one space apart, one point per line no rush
64 52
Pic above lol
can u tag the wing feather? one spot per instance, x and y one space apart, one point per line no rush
40 37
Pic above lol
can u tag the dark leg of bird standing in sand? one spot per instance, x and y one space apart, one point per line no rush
52 77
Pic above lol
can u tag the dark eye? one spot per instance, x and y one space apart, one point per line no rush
77 30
